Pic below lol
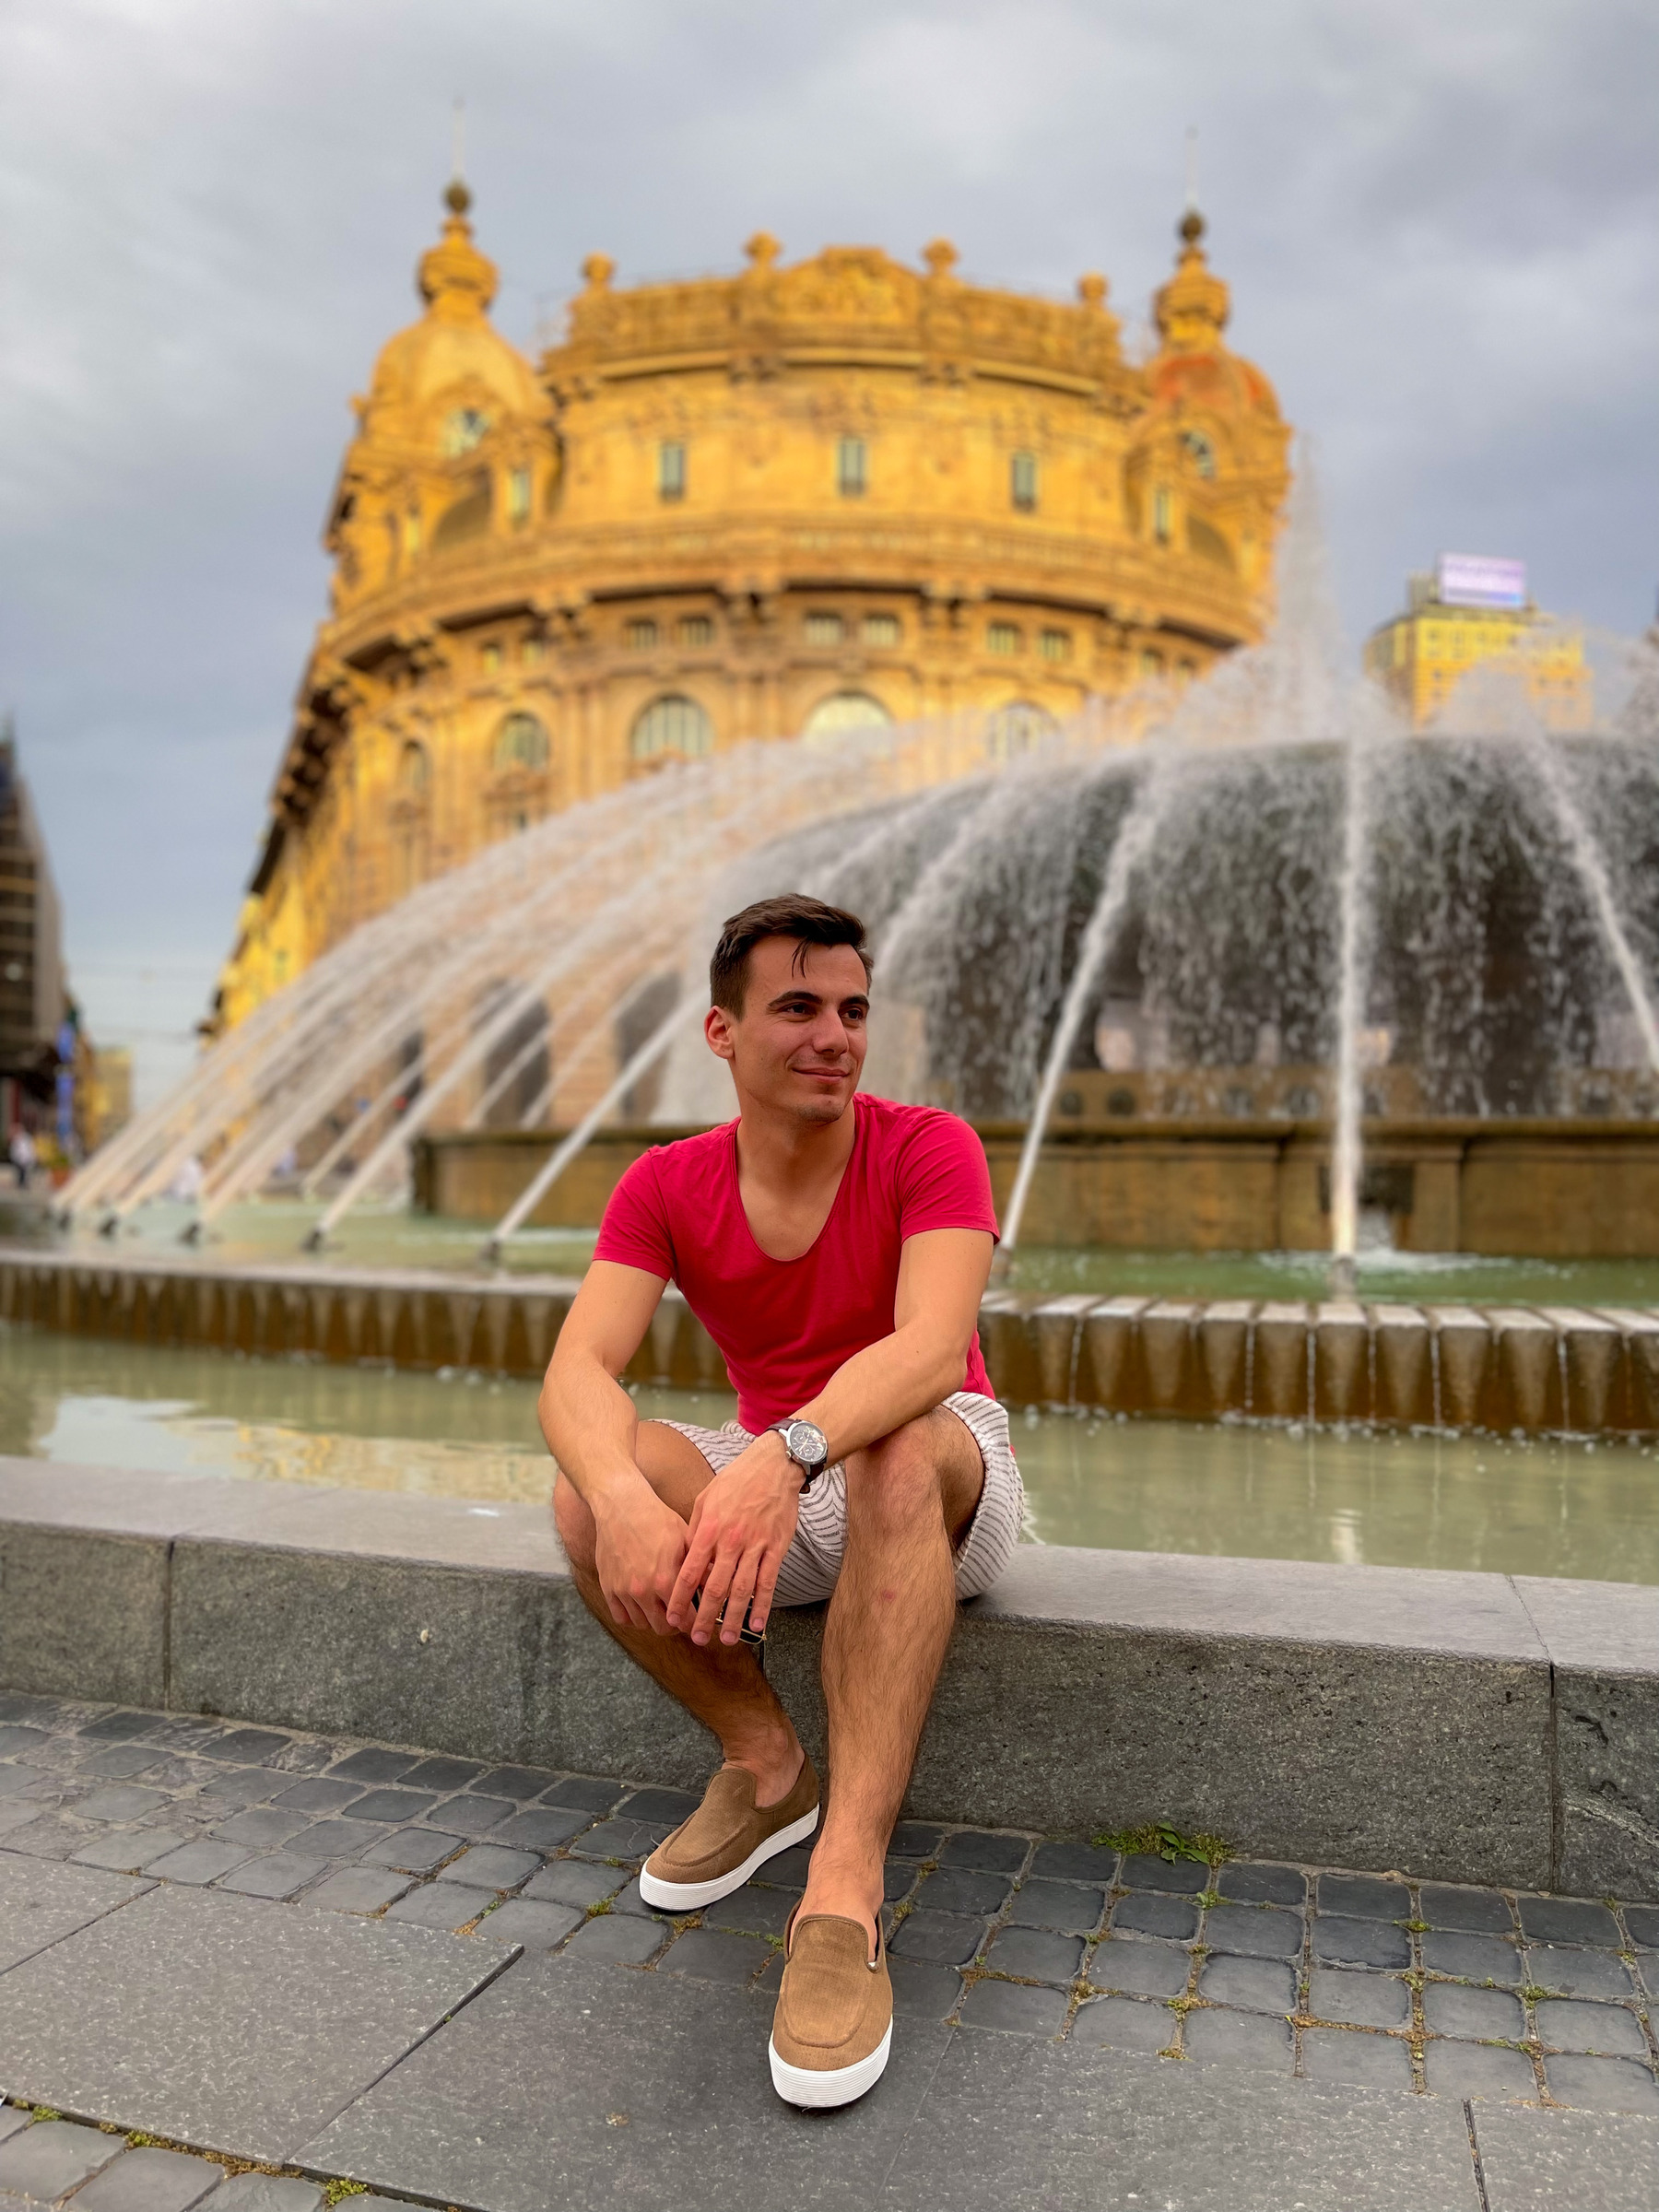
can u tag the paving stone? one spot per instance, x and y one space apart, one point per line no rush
342 1839
1479 2015
1609 2029
537 1926
1474 1912
899 1877
469 1816
1478 2070
1358 2000
659 1807
116 1727
1253 1883
575 1882
752 1911
1089 1863
208 2019
1643 1923
120 1802
787 1871
1568 1920
514 2102
443 1775
1539 2161
199 1862
521 1783
24 1780
540 1827
1574 1973
1173 1918
240 1786
16 1741
122 1761
149 2180
262 1827
1123 2025
1370 2062
619 1839
1036 1955
1361 1942
283 1874
490 1866
16 1812
47 1837
394 1804
1008 2006
1256 1984
947 1938
1473 1958
305 1755
124 1850
412 1850
374 1766
714 1955
359 1890
618 1939
984 1853
922 1992
1253 1930
593 1794
915 1840
47 2160
1603 2085
11 2120
252 1746
627 1899
319 1794
1065 1905
1240 2039
1181 1878
957 1890
446 1905
269 2192
1363 1897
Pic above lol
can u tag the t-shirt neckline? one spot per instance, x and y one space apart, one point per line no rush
760 1251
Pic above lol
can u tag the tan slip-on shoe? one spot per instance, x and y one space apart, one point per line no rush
833 2027
726 1839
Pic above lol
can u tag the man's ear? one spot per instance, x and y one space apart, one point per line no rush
717 1028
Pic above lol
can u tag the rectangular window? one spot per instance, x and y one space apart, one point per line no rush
641 636
534 652
492 659
881 630
1151 663
671 469
824 629
696 630
1055 644
1003 636
1022 482
518 498
850 459
1162 515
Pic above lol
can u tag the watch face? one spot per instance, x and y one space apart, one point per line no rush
807 1443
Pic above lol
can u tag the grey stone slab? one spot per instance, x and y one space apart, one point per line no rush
282 1874
619 1939
1568 1920
1069 1906
250 1746
262 1827
922 1992
1371 2062
149 2180
619 1839
209 2020
41 1901
319 1794
238 1786
23 1780
1014 2008
86 1608
373 1765
915 1840
1563 2025
1036 1955
1012 2121
946 1938
621 2086
51 2158
1179 1878
1123 2024
1175 1919
1478 2015
412 1850
1606 2085
787 1871
1643 1923
961 1889
1254 1930
984 1853
593 1794
469 1816
752 1911
540 1827
342 1839
124 1850
663 1808
17 1743
1474 1959
269 2192
118 1803
119 1727
394 1804
1255 1984
1363 1897
1250 1883
1359 1942
443 1775
359 1890
1569 1972
1222 2038
11 2120
1474 1912
1358 2000
537 1926
122 1761
447 1905
1087 1863
16 1813
1478 2070
199 1862
1537 2161
627 1899
899 1877
522 1784
715 1955
575 1882
490 1866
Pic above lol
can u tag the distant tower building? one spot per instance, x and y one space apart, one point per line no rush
33 1004
1467 610
779 503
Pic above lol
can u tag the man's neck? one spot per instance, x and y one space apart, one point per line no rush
783 1151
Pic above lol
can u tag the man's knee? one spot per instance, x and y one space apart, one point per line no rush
574 1524
899 1478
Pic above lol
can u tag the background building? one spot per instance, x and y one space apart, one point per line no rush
1467 610
33 1001
781 503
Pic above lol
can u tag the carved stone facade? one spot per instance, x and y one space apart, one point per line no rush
743 508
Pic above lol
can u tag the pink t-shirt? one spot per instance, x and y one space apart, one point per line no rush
785 1326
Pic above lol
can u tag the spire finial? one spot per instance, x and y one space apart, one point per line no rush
1191 202
457 198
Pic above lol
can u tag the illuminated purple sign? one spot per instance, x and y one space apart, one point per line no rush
1476 580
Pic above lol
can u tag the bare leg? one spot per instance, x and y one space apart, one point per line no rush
909 1501
720 1684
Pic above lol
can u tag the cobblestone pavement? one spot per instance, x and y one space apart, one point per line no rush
1359 2039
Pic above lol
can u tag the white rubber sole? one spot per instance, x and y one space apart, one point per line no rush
818 2090
691 1897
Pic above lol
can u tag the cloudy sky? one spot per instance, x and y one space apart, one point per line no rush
1440 218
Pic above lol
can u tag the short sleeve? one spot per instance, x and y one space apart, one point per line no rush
944 1182
634 1231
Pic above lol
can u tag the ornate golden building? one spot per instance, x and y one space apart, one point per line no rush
771 504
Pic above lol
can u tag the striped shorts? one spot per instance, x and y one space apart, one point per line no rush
813 1562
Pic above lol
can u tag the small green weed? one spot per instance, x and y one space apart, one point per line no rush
1159 1839
336 2192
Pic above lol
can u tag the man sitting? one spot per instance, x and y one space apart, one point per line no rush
836 1248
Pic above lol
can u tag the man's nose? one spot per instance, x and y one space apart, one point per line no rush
829 1034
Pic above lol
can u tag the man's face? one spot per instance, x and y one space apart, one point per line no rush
799 1043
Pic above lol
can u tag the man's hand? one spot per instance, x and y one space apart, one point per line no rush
742 1524
638 1550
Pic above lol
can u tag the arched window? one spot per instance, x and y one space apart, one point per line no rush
672 725
1017 728
520 742
843 711
414 770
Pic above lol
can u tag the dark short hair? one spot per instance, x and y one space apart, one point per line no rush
792 915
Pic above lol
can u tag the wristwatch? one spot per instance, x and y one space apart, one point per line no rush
806 1445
